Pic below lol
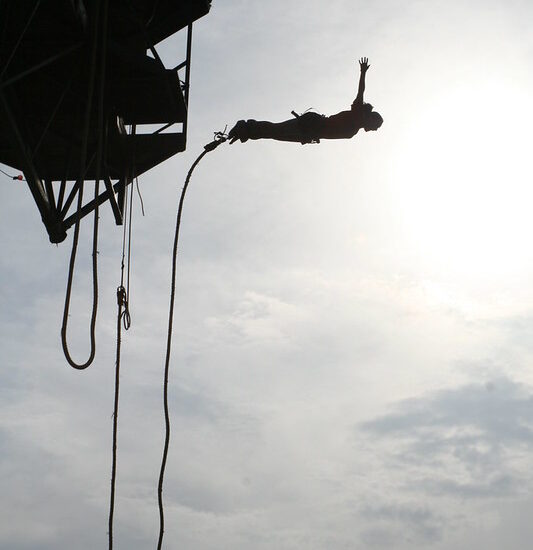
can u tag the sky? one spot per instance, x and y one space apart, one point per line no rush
352 359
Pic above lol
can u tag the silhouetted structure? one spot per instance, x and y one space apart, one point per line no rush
311 127
73 75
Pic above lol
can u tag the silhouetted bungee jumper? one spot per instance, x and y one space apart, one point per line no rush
311 127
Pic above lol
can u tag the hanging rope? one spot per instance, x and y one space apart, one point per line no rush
80 183
139 193
127 317
220 138
123 321
126 257
120 303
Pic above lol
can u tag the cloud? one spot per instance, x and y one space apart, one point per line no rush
467 442
445 461
393 519
71 518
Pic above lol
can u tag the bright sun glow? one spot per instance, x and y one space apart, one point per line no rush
463 179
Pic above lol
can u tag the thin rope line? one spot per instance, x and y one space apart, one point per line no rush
124 230
11 176
128 205
123 319
139 193
115 417
129 240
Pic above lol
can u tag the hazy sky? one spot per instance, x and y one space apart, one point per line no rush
353 351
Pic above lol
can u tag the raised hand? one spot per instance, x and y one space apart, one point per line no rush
363 63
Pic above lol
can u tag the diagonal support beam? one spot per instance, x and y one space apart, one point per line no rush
90 206
20 37
40 65
117 212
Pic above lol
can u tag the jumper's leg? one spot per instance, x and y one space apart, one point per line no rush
289 130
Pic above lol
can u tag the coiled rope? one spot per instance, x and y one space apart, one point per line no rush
220 138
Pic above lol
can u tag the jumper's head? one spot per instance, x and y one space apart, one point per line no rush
373 120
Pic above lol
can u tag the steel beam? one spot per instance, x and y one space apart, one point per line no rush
90 206
51 59
113 201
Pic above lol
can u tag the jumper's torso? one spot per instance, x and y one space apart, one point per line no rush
343 125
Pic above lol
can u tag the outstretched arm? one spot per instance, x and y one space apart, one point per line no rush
363 64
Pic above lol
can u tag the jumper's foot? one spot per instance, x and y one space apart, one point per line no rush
239 131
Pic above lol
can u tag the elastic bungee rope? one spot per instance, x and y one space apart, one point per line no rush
220 138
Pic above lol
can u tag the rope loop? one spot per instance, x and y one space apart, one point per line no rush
122 302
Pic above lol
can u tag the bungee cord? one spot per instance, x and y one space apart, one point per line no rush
220 138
